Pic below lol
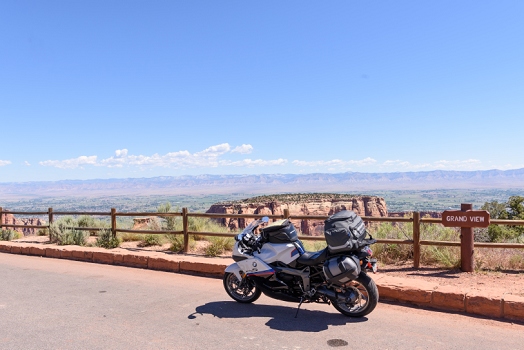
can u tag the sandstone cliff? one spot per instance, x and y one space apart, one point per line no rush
9 219
300 204
423 214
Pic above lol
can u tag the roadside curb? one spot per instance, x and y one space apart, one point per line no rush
390 288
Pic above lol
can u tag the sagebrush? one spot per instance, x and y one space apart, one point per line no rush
9 235
106 240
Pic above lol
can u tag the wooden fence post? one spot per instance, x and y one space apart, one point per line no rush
466 244
286 213
416 239
113 222
1 219
185 229
50 215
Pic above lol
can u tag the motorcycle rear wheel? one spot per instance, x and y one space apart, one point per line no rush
244 291
367 300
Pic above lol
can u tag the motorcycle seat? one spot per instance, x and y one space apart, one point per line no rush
313 258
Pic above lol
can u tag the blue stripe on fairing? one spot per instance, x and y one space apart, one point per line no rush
261 273
294 252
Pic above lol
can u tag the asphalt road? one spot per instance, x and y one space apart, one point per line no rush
60 304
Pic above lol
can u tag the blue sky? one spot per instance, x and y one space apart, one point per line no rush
111 89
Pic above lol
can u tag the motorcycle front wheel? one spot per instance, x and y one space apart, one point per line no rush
244 291
366 297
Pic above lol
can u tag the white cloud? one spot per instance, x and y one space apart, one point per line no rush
27 163
70 163
335 163
252 163
214 151
120 153
4 162
244 149
210 157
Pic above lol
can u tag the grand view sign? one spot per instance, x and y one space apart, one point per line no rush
470 218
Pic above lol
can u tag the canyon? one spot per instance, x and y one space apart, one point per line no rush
299 204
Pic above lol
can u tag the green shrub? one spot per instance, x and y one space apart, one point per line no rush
150 240
67 221
131 237
392 253
170 223
445 256
89 221
106 240
9 235
513 209
43 232
86 221
205 225
62 233
219 245
177 243
498 233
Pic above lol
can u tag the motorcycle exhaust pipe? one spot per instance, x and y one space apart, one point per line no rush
328 293
341 297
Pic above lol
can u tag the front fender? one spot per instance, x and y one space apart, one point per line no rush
234 268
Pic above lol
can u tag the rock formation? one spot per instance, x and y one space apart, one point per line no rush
423 214
300 204
146 223
9 219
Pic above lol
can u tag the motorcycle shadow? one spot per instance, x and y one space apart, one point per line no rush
282 317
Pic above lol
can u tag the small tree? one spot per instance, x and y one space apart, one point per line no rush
170 221
513 209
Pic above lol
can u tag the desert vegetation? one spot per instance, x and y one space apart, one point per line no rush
65 231
9 235
449 257
513 209
392 253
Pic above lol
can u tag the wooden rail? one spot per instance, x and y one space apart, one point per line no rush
113 214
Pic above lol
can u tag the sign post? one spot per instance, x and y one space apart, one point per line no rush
466 219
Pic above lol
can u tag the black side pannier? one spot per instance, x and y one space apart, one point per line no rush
341 269
281 231
344 231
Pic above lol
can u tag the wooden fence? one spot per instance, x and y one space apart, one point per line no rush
416 220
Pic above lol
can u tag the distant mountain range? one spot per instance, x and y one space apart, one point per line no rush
350 182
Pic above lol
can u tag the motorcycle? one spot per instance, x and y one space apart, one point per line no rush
272 260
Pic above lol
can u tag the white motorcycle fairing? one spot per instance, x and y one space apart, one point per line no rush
272 252
256 264
250 267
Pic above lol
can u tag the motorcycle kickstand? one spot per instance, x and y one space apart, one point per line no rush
298 308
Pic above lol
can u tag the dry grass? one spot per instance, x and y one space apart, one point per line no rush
488 259
130 237
151 240
314 246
